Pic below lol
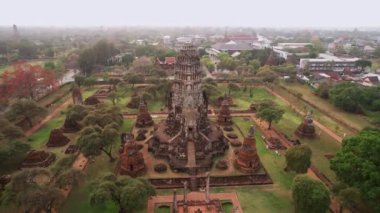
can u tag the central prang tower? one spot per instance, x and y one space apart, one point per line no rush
188 105
187 138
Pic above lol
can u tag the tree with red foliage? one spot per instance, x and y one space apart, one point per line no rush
26 81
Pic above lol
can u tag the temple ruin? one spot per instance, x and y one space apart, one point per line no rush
57 139
247 160
306 128
131 159
143 117
77 95
36 158
224 115
187 138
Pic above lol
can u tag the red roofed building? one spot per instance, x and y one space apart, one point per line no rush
167 64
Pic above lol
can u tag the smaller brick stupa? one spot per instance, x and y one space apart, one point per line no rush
92 100
38 159
224 115
143 117
247 160
306 128
77 95
57 139
131 160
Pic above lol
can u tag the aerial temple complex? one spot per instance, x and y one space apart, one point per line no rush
187 138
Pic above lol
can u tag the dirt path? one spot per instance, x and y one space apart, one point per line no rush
50 115
317 123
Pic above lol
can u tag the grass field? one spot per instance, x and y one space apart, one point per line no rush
322 145
78 201
356 121
58 96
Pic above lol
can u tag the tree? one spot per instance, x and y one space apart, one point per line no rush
142 65
103 50
50 65
114 97
129 194
79 80
310 196
26 49
347 96
298 158
226 62
9 130
127 59
363 64
357 164
323 90
133 79
266 74
233 87
86 61
102 131
30 190
114 82
270 113
350 198
71 177
27 110
27 81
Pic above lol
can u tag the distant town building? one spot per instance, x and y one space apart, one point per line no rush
327 63
284 50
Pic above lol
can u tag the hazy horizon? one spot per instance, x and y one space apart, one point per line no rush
171 13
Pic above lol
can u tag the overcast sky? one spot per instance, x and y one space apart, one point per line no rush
251 13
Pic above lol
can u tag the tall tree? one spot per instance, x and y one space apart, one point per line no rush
298 158
102 131
129 194
270 113
310 196
358 164
27 110
79 80
86 61
142 65
30 190
27 81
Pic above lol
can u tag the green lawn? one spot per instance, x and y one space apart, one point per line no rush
78 201
57 96
241 98
39 138
321 145
325 109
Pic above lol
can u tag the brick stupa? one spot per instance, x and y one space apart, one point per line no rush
224 115
131 160
306 128
143 117
57 139
247 160
77 95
